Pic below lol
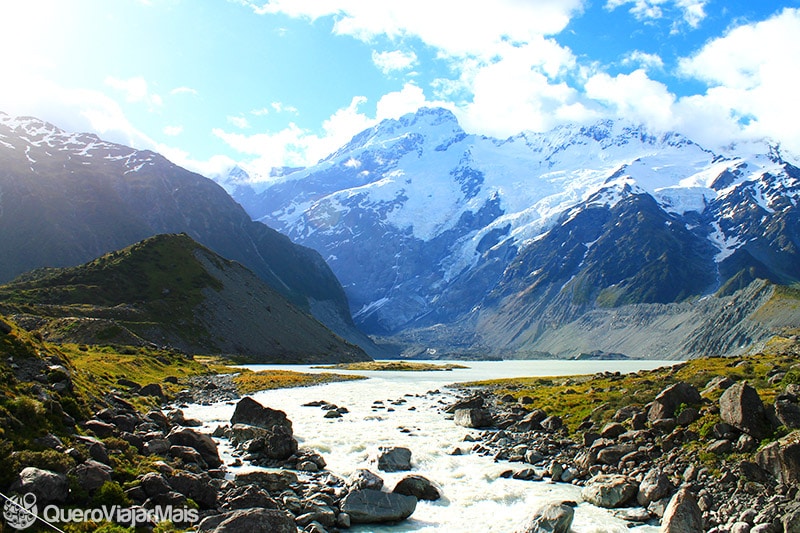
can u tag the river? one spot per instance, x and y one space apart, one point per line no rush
475 499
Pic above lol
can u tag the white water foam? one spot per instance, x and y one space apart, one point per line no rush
475 497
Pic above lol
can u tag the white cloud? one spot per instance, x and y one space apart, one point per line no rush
280 107
634 96
389 62
184 90
507 76
294 146
135 90
173 131
239 122
692 12
455 27
260 112
643 59
757 88
79 110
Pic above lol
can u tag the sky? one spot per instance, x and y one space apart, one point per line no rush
263 84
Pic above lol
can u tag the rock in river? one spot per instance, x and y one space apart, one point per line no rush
367 506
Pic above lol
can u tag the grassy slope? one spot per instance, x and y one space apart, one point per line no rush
599 396
30 409
156 281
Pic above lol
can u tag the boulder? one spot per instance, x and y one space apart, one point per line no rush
531 421
612 430
781 458
609 490
553 517
248 497
552 423
687 416
188 455
196 487
364 479
250 412
419 487
254 521
788 412
473 402
92 474
156 447
611 455
277 443
720 447
682 515
201 442
153 389
393 459
473 418
100 428
154 483
367 506
272 482
669 399
653 487
741 407
46 485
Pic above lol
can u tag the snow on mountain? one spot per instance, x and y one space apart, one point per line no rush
420 219
28 132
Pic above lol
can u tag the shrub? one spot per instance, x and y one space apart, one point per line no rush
110 494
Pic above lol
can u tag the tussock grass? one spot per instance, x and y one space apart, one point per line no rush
248 382
598 397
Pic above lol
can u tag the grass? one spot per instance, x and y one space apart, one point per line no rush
248 381
409 366
598 397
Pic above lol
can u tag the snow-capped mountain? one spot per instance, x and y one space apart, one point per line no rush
491 243
67 198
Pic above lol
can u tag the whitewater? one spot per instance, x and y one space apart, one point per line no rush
404 409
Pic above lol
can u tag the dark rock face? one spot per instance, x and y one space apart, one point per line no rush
367 506
250 412
255 521
419 487
782 458
263 431
669 399
46 485
92 474
393 459
276 444
201 442
741 407
364 479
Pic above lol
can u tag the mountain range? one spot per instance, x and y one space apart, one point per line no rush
68 198
169 291
607 237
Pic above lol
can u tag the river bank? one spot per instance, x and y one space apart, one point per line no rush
609 451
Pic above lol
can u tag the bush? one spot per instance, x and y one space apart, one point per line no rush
110 494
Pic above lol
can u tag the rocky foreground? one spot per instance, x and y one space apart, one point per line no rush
718 457
649 466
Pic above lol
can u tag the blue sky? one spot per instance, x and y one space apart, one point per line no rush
211 83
